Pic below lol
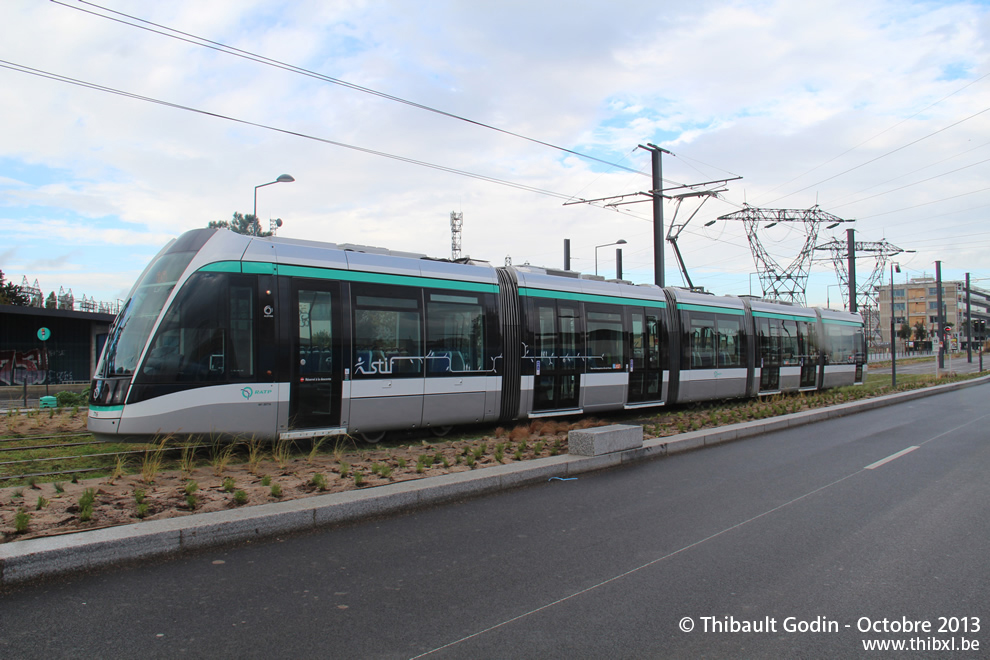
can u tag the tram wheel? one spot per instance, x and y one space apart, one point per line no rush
440 431
373 438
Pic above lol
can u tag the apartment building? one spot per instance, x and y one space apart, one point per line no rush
916 301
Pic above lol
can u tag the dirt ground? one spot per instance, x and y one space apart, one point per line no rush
143 492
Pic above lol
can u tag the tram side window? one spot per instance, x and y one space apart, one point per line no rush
730 341
844 343
605 341
455 334
207 334
700 344
387 335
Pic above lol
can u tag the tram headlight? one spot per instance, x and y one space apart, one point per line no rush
120 390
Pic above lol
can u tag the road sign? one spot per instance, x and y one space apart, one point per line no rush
44 334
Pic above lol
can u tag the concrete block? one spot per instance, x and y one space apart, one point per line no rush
604 440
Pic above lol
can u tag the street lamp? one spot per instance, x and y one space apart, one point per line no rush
621 241
283 178
893 345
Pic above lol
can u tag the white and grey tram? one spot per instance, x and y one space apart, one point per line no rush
225 334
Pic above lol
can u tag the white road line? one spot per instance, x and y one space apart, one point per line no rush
638 568
874 466
693 545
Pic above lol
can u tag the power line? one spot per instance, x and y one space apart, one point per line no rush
254 57
937 201
892 151
870 139
908 185
920 169
412 161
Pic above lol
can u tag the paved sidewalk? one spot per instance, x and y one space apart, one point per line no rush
21 561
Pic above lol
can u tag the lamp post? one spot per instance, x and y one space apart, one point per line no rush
893 345
621 241
283 178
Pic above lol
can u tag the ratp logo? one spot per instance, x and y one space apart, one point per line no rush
248 392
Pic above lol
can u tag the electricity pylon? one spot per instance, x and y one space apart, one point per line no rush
787 283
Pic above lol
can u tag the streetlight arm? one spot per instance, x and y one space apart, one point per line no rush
282 178
621 241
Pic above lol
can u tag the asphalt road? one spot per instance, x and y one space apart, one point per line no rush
796 526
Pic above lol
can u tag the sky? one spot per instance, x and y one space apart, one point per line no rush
391 115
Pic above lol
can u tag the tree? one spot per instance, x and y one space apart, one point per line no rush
920 331
240 224
11 294
904 332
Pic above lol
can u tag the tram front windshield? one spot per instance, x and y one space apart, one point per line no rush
133 326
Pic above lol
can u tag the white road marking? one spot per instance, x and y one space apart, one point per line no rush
874 466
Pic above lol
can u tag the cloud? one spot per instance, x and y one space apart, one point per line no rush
795 97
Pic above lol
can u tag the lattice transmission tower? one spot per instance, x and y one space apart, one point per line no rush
788 283
866 289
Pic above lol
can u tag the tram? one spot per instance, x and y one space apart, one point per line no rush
232 335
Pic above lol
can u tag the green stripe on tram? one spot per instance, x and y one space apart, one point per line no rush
222 267
711 309
589 297
268 268
785 317
857 324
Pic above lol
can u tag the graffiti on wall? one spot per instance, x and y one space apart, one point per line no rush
20 367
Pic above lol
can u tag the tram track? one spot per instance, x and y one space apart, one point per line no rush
43 437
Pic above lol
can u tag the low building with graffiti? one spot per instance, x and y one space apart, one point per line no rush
42 346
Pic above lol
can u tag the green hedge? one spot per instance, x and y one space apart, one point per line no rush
72 399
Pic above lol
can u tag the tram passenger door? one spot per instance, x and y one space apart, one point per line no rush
557 360
808 346
645 368
770 355
317 360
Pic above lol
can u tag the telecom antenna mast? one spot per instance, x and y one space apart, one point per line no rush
456 223
787 283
